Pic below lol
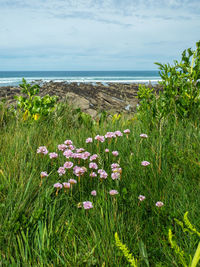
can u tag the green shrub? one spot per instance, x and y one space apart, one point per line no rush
180 94
33 106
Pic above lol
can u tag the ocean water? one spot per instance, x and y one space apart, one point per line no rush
14 78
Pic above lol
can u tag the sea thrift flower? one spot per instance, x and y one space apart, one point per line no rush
94 193
100 138
68 153
78 171
119 170
68 142
72 181
68 165
42 150
61 171
114 165
159 204
110 135
93 165
66 185
103 175
62 147
118 133
115 175
127 131
43 174
93 157
115 153
58 185
53 155
71 147
79 150
106 150
89 140
85 155
93 174
100 171
144 136
141 197
113 192
145 163
87 205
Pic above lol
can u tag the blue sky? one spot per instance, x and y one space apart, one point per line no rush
95 34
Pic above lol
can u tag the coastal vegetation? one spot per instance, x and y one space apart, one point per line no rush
117 190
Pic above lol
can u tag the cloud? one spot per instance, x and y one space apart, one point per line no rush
76 34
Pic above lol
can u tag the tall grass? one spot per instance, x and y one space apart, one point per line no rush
38 228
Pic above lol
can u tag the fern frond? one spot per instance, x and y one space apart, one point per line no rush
189 225
176 248
125 251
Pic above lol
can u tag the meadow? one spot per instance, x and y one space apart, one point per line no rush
107 192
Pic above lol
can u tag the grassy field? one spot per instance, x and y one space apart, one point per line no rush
43 226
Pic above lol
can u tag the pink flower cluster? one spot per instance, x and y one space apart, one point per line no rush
42 150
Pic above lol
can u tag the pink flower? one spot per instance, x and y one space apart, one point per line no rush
94 193
58 185
103 175
106 150
119 170
114 165
100 171
115 175
87 205
68 165
113 192
53 155
89 140
93 165
42 150
78 171
110 135
118 133
85 155
144 136
115 153
62 147
100 138
61 171
66 185
127 131
79 150
93 174
71 147
68 142
68 153
72 181
93 157
145 163
159 204
43 174
141 197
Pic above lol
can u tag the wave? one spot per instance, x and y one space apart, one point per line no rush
13 81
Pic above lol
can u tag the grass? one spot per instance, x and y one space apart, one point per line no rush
38 228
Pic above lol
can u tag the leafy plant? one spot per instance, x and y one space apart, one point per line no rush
125 251
33 106
180 94
180 253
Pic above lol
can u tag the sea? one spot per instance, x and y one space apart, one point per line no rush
14 78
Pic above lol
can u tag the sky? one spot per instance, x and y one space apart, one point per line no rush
95 34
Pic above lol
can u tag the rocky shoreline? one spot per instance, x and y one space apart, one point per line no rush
90 98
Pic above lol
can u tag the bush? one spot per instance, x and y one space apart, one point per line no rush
180 94
32 106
